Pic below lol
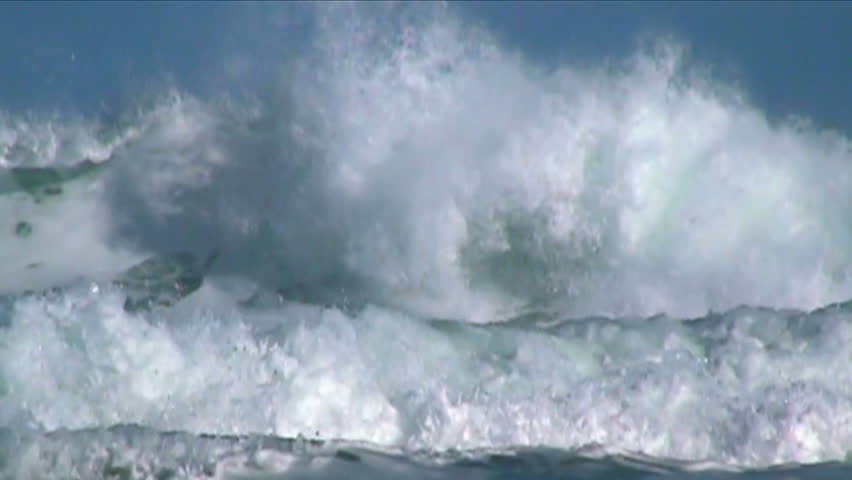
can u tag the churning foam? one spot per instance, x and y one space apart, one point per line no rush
458 179
751 387
417 160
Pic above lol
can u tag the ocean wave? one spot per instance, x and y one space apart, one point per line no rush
427 241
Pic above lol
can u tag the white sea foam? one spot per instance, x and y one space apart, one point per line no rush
747 388
460 180
416 163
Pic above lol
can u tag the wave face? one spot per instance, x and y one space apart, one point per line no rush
434 256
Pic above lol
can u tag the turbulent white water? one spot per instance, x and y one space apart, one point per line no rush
749 386
419 171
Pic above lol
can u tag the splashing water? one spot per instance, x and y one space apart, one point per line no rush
434 253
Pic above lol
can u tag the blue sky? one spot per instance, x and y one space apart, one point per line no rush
791 58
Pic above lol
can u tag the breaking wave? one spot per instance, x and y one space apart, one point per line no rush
429 243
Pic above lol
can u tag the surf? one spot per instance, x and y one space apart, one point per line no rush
416 247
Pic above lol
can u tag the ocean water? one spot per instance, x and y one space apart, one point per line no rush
417 253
